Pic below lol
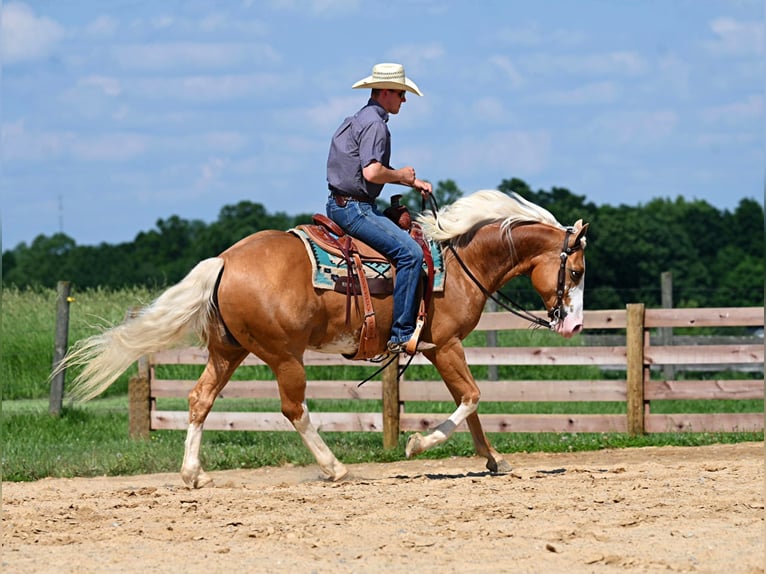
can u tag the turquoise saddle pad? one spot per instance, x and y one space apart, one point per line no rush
328 267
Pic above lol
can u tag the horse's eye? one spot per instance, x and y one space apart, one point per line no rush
575 275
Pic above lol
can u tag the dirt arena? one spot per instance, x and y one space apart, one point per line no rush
635 510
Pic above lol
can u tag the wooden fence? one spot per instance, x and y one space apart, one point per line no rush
636 357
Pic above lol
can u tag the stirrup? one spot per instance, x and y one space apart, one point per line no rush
416 346
412 345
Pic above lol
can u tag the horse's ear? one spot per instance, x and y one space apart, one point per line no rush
581 231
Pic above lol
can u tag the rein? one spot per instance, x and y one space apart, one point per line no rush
510 305
506 303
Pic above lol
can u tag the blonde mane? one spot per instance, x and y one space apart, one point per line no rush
486 206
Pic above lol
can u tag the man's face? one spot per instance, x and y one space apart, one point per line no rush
392 100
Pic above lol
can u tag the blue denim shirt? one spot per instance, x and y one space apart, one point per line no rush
360 140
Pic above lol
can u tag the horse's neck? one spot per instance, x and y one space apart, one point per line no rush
499 258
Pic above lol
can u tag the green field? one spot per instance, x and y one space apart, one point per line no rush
92 439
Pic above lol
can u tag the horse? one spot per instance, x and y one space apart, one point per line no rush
257 297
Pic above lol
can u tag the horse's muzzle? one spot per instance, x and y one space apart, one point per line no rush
569 326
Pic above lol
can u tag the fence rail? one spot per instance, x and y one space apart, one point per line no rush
637 356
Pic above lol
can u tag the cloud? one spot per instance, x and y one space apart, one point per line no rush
328 115
317 7
210 88
192 55
102 27
210 172
532 36
22 144
736 38
25 37
510 71
633 127
108 86
109 147
675 74
620 63
490 110
417 57
589 94
743 111
523 152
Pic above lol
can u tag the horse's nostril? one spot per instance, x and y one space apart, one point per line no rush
577 329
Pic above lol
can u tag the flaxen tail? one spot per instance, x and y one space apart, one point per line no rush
185 308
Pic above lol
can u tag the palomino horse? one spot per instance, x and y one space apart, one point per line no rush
257 297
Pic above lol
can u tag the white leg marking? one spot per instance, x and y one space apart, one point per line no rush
331 466
442 432
191 469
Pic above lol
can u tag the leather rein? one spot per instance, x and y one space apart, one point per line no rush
555 313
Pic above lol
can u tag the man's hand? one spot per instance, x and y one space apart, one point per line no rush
424 187
406 176
378 173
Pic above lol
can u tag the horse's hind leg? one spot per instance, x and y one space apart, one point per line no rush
291 377
220 366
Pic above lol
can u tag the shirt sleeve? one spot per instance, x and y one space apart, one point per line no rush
373 144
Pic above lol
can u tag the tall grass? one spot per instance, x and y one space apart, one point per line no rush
28 330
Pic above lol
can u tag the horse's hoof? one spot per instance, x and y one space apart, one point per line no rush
499 466
414 445
196 479
340 473
203 480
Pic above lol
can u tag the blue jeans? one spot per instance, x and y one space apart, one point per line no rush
365 222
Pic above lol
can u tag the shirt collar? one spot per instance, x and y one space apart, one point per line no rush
378 108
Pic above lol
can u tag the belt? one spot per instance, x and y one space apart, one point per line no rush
341 198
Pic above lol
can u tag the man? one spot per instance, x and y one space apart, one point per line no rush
357 169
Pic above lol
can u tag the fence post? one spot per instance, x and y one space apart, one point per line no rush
61 342
139 397
391 405
634 347
666 333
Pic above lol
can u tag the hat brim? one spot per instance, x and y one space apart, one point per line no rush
370 82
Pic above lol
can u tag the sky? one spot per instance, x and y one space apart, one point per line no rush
114 115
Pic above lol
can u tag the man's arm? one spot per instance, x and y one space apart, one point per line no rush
376 172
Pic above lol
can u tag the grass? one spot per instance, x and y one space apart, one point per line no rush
28 331
92 439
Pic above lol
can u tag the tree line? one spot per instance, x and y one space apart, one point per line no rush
716 257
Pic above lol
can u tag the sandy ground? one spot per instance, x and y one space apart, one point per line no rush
634 510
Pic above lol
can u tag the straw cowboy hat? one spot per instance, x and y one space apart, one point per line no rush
388 77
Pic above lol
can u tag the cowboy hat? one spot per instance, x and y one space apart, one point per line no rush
388 77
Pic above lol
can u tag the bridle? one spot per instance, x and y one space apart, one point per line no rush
555 314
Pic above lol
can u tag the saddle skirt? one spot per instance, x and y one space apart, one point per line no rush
330 269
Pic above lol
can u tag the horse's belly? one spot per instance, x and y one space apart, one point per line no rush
342 343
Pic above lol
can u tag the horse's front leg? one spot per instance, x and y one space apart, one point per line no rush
217 373
450 361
